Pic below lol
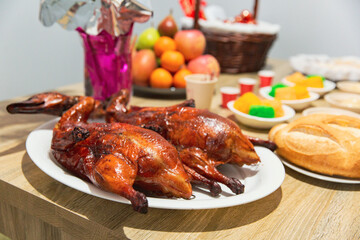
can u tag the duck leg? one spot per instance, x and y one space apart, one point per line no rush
198 160
263 143
198 179
117 174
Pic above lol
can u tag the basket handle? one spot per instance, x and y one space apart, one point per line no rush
197 9
196 17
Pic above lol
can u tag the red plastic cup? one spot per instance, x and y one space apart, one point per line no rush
246 85
228 94
266 77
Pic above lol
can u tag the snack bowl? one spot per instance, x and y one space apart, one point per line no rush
349 86
329 110
347 101
328 86
259 122
298 104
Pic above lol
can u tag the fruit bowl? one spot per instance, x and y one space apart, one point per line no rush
259 122
328 86
298 104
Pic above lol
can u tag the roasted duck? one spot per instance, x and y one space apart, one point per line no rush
203 139
115 156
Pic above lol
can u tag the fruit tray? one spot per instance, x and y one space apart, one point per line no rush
164 93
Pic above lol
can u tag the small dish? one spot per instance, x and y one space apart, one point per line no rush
259 122
349 86
329 110
328 86
299 104
347 101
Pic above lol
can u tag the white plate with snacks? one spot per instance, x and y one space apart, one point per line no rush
298 104
349 86
329 110
259 122
318 175
328 86
260 180
347 101
335 69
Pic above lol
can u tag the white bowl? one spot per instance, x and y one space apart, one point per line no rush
328 86
348 101
329 110
299 104
259 122
349 86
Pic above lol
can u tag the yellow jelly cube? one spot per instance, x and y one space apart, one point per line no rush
286 93
291 93
315 82
244 102
297 78
301 92
279 111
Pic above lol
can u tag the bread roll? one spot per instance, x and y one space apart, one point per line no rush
323 143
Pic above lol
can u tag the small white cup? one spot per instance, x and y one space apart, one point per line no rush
200 87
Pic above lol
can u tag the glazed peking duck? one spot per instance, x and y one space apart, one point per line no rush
203 139
114 157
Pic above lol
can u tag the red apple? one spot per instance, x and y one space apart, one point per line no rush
191 43
204 64
143 63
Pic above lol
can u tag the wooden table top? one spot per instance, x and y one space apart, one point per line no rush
35 206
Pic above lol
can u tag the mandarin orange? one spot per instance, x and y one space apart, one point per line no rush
179 78
164 44
172 60
161 78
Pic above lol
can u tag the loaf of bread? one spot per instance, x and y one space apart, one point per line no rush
322 143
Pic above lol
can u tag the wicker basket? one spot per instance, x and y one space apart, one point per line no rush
238 52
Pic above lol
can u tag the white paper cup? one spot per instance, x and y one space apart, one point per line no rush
200 87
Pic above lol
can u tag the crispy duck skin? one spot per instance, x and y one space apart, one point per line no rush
54 103
203 139
115 156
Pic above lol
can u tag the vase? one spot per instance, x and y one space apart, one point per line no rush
107 63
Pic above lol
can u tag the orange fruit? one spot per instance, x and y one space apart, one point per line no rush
161 78
164 44
179 78
172 60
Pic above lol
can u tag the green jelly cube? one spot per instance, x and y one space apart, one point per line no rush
274 87
262 111
309 76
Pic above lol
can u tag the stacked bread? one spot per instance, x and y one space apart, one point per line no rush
323 143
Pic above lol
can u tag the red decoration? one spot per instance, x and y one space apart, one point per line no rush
245 17
188 6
